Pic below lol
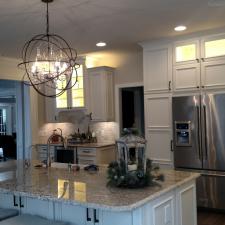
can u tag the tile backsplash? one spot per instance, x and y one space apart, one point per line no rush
105 131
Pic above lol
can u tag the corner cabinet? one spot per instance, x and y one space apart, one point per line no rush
72 99
101 93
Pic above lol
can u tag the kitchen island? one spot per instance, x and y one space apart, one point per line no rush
82 198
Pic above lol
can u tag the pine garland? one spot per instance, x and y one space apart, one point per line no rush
118 177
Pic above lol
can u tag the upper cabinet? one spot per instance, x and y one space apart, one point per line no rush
199 64
157 69
101 93
72 99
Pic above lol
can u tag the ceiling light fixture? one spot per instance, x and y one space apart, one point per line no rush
180 28
49 63
101 44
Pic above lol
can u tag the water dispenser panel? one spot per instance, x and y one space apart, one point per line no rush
183 133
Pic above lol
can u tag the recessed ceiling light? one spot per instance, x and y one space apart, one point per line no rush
101 44
180 28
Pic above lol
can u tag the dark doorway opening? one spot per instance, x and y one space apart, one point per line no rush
132 109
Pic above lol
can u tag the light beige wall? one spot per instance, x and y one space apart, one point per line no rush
10 71
128 64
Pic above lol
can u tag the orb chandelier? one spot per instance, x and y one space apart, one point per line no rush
49 63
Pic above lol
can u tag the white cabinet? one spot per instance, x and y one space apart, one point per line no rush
27 205
158 69
199 64
101 93
101 155
186 77
73 99
159 128
42 152
163 211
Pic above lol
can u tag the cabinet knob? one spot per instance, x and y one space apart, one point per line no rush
203 59
198 60
197 86
203 86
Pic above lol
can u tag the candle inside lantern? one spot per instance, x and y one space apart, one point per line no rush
132 167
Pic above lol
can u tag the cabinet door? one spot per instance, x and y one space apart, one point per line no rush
186 209
158 128
186 52
186 77
213 47
118 218
213 74
51 115
97 96
163 211
7 201
158 70
72 214
45 208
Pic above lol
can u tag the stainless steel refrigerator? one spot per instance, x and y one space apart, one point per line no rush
199 144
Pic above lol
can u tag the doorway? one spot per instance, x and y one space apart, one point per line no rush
132 109
14 108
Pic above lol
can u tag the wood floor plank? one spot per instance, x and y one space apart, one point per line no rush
211 218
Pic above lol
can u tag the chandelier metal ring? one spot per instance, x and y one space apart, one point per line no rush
49 62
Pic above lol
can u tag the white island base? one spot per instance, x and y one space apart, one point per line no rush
37 192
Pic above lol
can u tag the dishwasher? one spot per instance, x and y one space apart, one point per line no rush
67 155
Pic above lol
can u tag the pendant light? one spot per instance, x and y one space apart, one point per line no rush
49 62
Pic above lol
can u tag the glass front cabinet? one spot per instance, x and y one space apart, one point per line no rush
199 64
70 100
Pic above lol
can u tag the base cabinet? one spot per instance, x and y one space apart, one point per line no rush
176 207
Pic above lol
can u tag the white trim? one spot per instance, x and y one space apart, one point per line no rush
117 100
191 187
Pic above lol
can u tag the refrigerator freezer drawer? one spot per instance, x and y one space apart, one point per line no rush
210 192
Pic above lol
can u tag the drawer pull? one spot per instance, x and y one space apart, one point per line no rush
14 201
95 217
87 215
86 151
21 205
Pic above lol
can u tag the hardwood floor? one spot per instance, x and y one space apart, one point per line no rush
211 218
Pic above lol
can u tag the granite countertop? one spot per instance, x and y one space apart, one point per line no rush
85 145
82 188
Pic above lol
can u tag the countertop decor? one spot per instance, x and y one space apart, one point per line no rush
132 169
119 177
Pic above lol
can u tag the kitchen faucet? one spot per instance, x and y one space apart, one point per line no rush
48 162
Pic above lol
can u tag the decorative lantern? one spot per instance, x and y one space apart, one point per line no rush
132 169
127 145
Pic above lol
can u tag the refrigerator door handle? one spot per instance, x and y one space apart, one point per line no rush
198 132
205 136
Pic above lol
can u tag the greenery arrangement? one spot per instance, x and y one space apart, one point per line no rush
119 177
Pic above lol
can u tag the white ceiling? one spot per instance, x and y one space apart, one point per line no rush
121 23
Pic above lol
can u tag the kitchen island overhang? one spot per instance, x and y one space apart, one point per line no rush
89 190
